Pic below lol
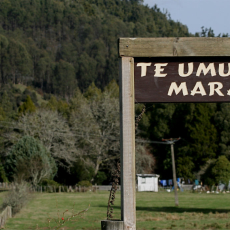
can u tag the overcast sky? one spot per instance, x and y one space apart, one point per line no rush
197 13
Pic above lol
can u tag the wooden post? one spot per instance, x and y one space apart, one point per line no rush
174 175
112 225
127 133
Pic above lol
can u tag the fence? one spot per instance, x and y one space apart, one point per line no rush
185 187
76 188
6 213
6 185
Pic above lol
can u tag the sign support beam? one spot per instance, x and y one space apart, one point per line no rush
127 133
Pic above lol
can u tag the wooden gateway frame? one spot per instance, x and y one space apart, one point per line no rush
197 69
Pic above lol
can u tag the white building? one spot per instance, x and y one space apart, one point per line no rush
147 182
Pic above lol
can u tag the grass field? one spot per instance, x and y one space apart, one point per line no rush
154 210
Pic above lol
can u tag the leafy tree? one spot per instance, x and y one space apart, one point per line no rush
4 58
203 134
29 160
194 124
217 171
185 167
27 107
222 122
64 81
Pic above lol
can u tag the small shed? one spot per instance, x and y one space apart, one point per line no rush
147 182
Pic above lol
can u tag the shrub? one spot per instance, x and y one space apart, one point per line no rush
17 197
217 171
100 177
84 183
47 182
29 160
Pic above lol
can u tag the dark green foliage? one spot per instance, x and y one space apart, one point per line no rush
3 177
64 81
185 167
218 171
84 183
48 182
100 178
29 160
56 44
222 121
202 133
27 107
194 123
31 94
78 172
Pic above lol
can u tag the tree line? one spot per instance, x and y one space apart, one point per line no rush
59 94
79 139
71 141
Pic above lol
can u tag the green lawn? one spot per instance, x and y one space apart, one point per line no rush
154 210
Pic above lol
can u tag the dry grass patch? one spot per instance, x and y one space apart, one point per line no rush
174 217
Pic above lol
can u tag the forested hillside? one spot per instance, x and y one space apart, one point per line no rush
59 94
57 45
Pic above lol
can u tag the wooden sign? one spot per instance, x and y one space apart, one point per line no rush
172 80
165 70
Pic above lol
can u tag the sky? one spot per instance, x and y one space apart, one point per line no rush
197 13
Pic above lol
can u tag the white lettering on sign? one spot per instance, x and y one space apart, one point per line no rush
201 69
205 70
158 70
181 70
143 66
221 70
217 89
174 87
198 89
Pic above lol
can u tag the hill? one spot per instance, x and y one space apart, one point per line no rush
56 45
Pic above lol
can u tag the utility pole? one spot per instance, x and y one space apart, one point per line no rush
171 142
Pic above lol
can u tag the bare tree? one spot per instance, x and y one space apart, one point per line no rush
53 131
95 123
144 159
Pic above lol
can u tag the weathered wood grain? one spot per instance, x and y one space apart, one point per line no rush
127 130
168 47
